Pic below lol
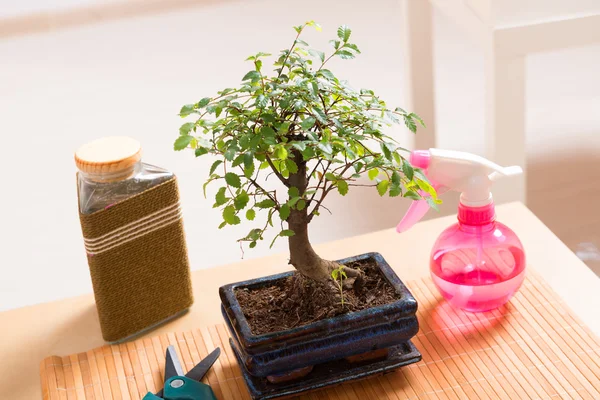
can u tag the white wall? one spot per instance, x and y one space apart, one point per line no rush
130 77
19 8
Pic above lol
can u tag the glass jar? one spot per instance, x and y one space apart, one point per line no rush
133 236
111 170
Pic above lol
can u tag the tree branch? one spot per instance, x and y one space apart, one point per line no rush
290 51
285 181
318 184
264 191
316 207
315 168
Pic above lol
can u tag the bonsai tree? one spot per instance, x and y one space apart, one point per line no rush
310 130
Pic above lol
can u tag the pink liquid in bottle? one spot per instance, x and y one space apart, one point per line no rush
478 264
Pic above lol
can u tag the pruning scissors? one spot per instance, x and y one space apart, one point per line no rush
185 387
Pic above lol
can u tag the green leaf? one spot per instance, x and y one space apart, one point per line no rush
268 132
415 116
432 203
238 160
186 128
300 205
267 203
412 195
268 118
410 124
293 191
314 89
317 53
261 101
241 200
252 76
283 127
233 179
182 142
186 110
281 152
287 233
327 74
200 151
252 245
299 104
373 173
229 215
342 187
220 197
345 54
392 117
308 153
344 32
408 171
308 123
214 166
395 190
395 178
320 114
249 171
203 102
386 151
353 47
230 153
284 212
330 176
427 188
253 235
248 159
291 166
325 148
382 187
250 214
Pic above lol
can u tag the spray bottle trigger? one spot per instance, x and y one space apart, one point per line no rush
416 211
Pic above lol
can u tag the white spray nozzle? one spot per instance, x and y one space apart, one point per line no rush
467 173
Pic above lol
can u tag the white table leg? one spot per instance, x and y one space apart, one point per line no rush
505 118
417 41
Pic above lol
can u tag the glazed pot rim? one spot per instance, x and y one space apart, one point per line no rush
406 306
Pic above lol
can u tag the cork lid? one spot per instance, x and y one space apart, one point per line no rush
108 156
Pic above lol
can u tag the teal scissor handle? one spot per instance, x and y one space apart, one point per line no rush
183 388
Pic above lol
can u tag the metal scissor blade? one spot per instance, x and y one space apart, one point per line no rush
198 372
172 364
172 367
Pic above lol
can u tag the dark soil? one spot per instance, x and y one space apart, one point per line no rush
298 301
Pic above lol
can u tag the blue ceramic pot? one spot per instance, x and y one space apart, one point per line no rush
343 336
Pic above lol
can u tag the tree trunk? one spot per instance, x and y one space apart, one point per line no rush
302 255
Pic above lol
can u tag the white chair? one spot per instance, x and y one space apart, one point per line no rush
508 31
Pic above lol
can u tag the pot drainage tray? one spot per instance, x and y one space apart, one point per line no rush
331 373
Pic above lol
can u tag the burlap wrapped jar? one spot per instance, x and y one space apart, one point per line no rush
134 238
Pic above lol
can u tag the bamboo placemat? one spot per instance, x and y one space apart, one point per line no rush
533 347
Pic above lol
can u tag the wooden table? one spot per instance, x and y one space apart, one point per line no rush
29 334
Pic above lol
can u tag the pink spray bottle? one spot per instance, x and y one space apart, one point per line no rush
478 263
